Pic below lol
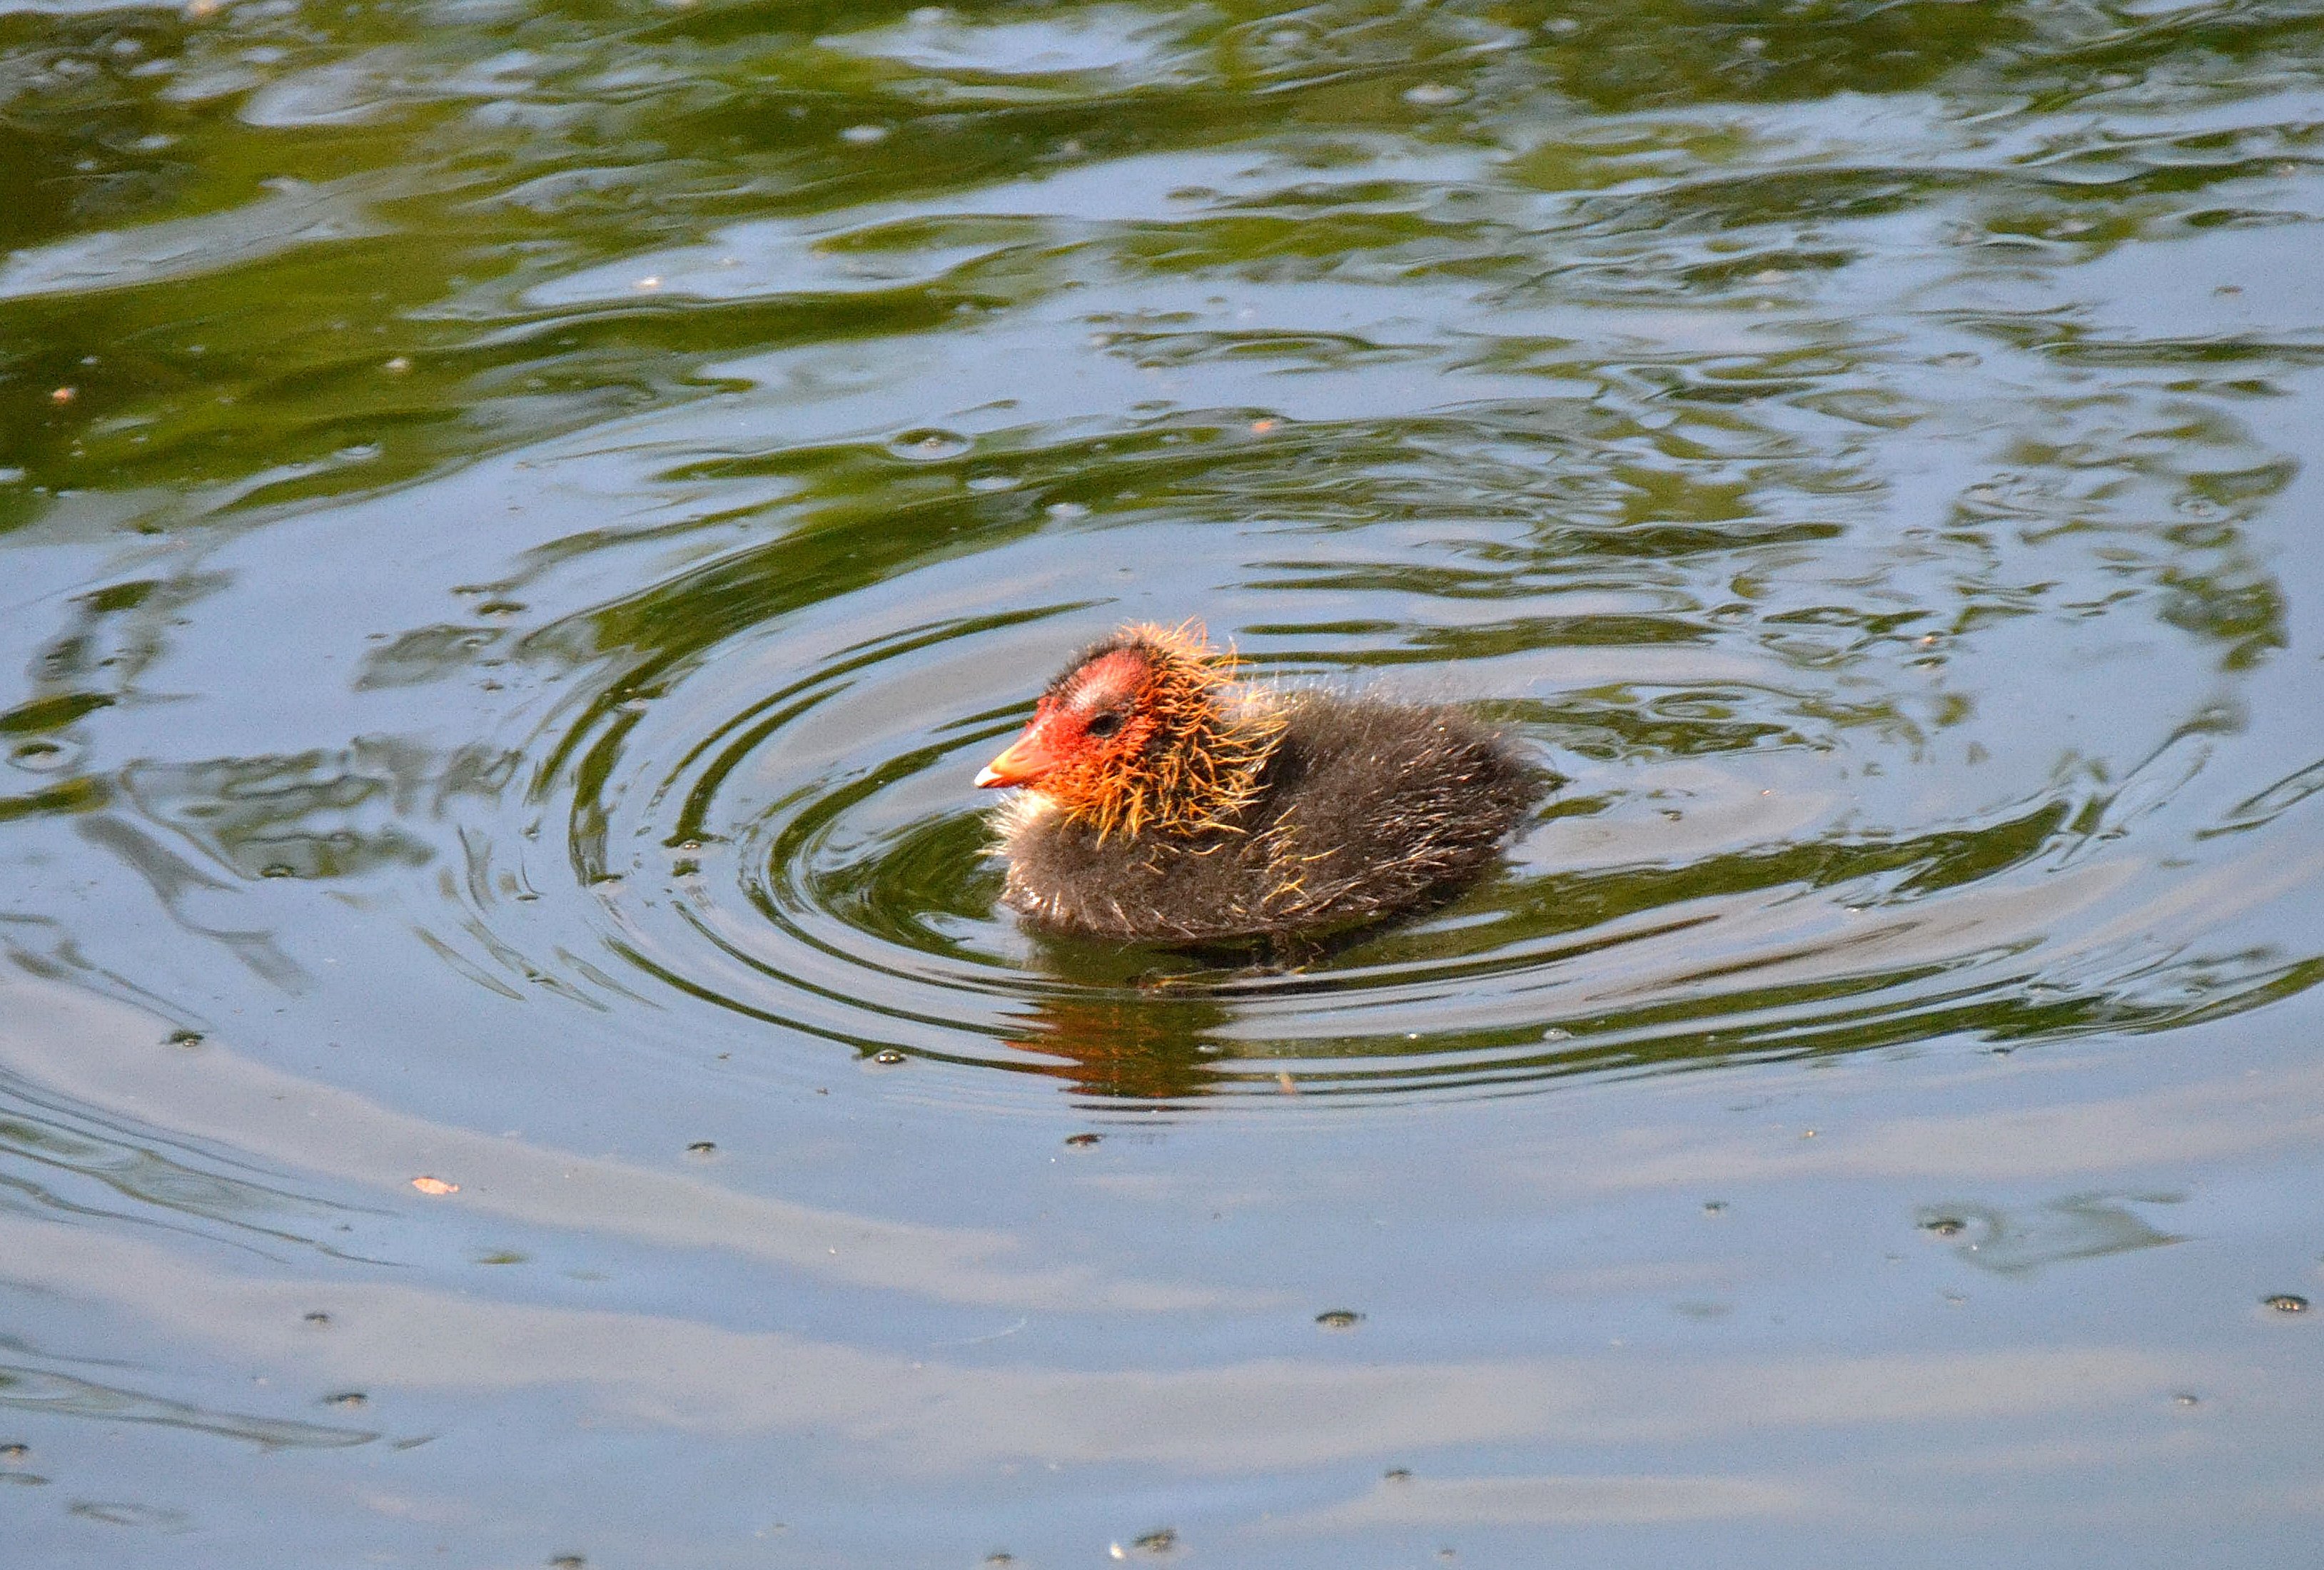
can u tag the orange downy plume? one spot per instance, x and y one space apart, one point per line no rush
1189 759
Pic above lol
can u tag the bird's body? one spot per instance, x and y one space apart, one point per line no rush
1299 813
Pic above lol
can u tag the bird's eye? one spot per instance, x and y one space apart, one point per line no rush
1105 725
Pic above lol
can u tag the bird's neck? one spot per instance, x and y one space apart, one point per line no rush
1209 779
1199 774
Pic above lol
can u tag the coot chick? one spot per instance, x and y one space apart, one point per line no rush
1164 800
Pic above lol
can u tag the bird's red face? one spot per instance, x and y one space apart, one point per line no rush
1138 736
1087 735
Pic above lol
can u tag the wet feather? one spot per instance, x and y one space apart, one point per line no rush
1221 811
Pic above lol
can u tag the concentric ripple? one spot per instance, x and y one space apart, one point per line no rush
764 776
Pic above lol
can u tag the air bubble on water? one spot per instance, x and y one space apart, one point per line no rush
928 444
39 757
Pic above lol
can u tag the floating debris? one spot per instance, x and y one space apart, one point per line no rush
1339 1319
435 1185
2286 1303
1161 1540
1083 1141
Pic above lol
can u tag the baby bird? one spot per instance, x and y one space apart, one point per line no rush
1162 800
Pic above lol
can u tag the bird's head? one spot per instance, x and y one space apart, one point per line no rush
1148 731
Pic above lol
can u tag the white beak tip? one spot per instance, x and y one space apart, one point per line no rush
986 779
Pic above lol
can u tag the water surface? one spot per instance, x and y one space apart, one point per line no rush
519 523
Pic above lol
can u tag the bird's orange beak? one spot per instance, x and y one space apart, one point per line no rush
1026 759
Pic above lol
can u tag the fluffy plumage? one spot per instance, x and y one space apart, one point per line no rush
1162 800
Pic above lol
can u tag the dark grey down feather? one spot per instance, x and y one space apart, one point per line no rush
1367 809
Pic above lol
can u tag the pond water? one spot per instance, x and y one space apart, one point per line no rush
519 523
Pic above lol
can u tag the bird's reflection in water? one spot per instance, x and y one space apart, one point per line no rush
1135 1030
